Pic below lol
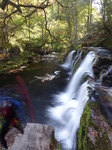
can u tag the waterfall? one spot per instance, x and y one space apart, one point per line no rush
84 69
69 61
70 104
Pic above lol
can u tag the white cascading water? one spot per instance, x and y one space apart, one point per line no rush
70 104
69 61
84 69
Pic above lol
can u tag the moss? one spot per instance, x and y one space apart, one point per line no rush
54 145
1 120
13 63
98 137
82 133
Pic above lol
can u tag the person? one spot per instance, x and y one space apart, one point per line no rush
9 115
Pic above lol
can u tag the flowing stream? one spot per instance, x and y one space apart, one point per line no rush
69 61
57 94
69 105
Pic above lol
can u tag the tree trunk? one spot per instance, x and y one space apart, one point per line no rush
88 17
29 35
76 20
91 15
104 12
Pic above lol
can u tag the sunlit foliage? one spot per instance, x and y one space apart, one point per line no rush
51 24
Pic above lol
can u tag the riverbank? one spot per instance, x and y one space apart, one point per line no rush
21 61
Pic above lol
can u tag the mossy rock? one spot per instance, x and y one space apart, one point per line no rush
95 132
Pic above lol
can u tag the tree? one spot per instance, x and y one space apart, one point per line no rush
47 24
107 15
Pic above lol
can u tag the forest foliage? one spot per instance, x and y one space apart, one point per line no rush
53 25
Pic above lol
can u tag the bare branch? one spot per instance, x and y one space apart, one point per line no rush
8 16
61 4
31 13
44 2
16 6
11 14
3 4
13 21
34 6
37 7
47 27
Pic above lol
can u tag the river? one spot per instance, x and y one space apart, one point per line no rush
40 92
53 94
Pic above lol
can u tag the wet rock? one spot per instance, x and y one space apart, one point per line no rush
47 77
101 66
101 129
11 135
106 77
95 131
35 137
104 98
92 134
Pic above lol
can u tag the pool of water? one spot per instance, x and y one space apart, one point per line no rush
42 81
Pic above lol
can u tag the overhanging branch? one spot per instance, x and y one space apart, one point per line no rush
4 3
46 25
18 6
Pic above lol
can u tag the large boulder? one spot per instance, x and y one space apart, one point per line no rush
95 132
11 135
103 65
35 137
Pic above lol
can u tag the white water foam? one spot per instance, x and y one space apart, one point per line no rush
84 69
70 104
69 61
